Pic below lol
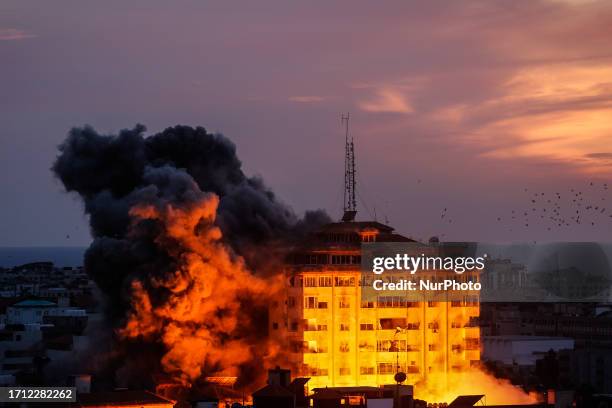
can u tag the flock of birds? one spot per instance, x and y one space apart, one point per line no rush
562 209
588 206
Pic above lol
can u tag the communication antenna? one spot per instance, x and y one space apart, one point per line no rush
350 204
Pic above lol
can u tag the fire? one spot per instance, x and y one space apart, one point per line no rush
201 318
446 387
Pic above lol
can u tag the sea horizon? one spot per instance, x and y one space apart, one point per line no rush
61 256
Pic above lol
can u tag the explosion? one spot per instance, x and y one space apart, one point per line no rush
183 250
198 321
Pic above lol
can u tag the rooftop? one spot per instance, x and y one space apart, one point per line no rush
355 226
34 303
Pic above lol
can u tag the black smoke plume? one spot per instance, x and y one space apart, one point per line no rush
178 168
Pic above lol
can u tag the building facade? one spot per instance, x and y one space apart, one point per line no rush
338 338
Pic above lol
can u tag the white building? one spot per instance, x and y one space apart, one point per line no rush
28 312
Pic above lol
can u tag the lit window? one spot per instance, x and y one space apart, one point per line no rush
366 370
310 302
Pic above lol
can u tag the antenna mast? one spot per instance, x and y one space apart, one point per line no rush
350 204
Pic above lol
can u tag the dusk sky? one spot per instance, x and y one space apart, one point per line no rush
456 105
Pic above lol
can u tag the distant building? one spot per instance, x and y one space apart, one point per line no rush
28 311
522 350
589 366
37 330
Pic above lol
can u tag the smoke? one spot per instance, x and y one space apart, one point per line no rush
446 387
184 248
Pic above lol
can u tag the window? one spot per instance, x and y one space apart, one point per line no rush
346 259
293 326
344 347
368 238
366 326
366 370
392 323
310 259
472 343
310 302
344 327
321 372
322 305
345 281
391 346
384 345
386 368
392 302
344 371
325 281
310 281
275 326
344 303
367 304
365 346
291 301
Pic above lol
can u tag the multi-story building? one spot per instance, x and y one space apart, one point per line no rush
338 337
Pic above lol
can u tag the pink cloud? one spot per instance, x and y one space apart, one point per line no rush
13 34
387 100
306 99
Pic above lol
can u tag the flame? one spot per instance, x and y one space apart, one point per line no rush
200 320
446 387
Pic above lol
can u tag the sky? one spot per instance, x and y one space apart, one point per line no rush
461 111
